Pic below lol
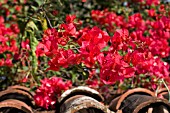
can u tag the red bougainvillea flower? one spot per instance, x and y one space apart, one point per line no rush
25 44
8 44
94 83
136 21
55 12
120 39
146 63
49 44
150 2
51 88
53 38
63 58
114 68
92 42
69 28
70 18
24 80
107 19
151 12
41 49
83 0
93 80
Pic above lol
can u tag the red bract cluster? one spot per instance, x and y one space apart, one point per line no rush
53 44
91 43
63 58
136 48
8 45
50 90
148 2
6 8
107 19
53 39
124 55
114 68
145 34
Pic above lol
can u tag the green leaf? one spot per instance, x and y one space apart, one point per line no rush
39 2
31 28
31 25
105 49
44 24
25 68
34 8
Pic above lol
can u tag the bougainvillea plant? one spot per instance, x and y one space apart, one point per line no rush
52 46
49 91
